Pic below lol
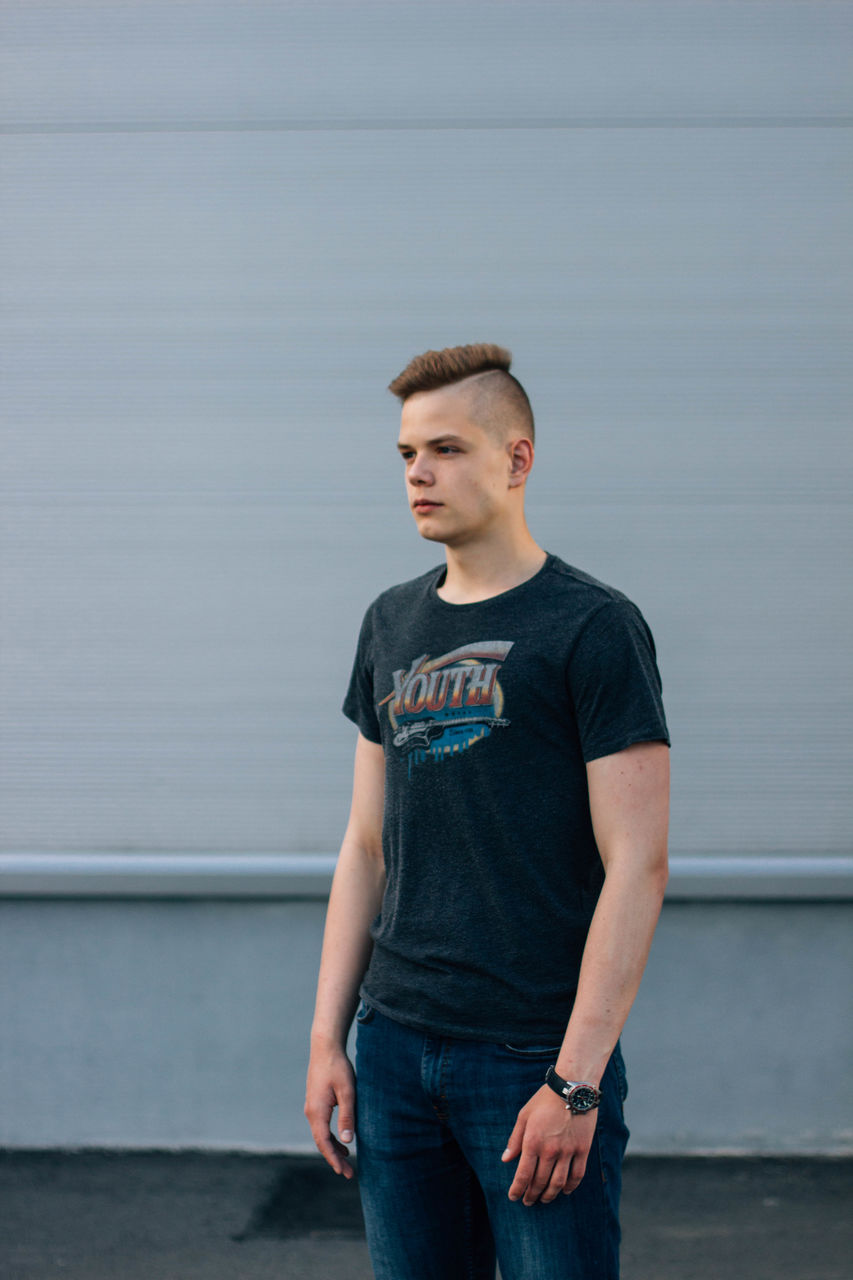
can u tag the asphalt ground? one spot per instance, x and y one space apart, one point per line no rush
166 1216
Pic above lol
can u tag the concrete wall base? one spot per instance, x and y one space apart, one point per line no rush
183 1025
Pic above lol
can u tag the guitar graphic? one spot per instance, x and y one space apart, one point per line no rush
421 733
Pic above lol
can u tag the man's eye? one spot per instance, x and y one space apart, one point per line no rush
447 448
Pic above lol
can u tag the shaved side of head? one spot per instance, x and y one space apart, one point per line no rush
497 402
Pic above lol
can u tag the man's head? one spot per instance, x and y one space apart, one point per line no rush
493 398
466 437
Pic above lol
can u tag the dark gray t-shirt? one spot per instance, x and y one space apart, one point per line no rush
488 714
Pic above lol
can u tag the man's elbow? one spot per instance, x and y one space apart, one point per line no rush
652 860
660 871
646 868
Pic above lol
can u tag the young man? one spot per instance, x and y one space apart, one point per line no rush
501 874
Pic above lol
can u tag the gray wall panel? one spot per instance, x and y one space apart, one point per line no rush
154 60
224 228
201 492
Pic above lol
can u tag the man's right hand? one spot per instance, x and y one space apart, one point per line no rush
331 1083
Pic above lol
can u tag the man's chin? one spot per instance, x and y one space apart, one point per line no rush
432 535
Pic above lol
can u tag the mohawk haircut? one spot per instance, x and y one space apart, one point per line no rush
436 369
497 400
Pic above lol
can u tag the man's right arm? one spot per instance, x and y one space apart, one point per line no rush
354 903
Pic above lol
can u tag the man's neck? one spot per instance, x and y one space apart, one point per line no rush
479 572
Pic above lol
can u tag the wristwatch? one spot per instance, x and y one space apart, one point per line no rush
578 1096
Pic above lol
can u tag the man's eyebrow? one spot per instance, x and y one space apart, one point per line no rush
448 438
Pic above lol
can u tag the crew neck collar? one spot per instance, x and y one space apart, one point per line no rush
499 597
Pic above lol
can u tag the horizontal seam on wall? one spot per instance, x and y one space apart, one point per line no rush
699 877
419 125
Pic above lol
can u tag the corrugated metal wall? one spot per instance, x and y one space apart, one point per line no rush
225 227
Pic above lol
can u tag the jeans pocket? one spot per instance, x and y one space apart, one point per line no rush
532 1052
365 1014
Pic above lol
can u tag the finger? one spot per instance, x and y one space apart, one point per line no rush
541 1179
333 1152
342 1156
525 1172
575 1177
558 1180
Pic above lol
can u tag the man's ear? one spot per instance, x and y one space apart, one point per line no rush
520 461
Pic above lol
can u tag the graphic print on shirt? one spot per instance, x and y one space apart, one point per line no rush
442 706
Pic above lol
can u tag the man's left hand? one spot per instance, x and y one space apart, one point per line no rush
553 1144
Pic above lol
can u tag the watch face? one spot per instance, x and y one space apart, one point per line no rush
583 1098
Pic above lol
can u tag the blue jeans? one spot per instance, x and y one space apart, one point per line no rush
433 1117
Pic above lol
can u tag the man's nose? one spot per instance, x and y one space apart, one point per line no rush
419 472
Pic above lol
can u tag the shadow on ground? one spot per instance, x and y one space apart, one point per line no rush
306 1199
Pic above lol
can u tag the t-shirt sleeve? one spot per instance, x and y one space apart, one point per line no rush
614 682
358 703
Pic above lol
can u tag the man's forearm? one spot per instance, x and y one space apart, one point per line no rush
553 1143
629 807
354 902
614 958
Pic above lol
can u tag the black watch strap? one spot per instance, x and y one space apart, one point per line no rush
578 1095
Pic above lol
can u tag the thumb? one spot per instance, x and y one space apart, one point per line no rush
346 1118
513 1147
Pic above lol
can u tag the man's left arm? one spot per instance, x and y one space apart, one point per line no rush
629 804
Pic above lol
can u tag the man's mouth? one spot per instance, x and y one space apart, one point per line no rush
424 504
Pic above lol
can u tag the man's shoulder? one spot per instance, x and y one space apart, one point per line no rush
584 589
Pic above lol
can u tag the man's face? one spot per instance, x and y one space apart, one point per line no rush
457 474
